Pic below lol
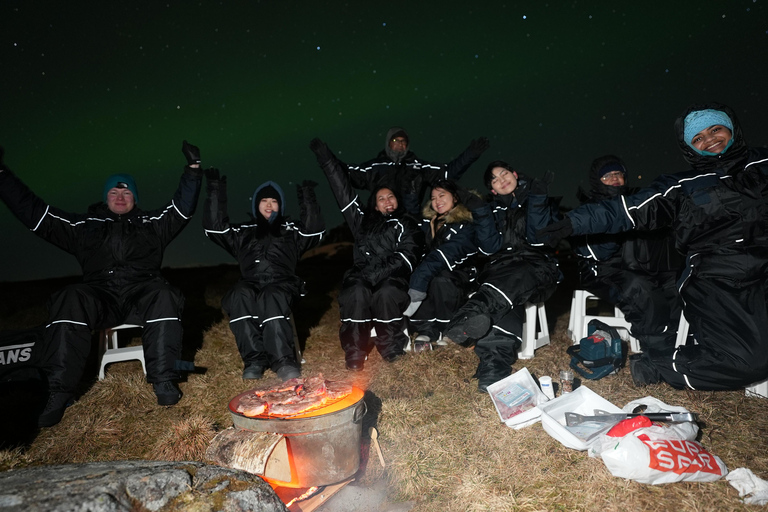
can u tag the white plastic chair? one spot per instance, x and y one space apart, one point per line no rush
578 323
112 353
758 389
533 338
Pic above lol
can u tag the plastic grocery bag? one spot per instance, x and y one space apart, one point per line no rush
658 453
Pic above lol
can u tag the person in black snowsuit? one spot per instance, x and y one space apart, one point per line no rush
268 249
120 249
398 167
388 246
443 279
636 271
719 213
516 272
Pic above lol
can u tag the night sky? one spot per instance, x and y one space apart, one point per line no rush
90 89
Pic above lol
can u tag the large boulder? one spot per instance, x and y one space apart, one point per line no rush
158 486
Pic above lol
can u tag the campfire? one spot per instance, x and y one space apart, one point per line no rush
301 434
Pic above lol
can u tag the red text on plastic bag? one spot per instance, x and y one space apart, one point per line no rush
679 456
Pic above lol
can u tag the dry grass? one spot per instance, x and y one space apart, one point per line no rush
443 442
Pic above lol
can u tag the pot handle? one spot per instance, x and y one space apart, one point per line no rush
357 418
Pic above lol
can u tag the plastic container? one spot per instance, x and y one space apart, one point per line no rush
582 401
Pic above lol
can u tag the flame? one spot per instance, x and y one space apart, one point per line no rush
310 492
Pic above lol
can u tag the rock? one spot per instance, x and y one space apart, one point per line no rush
159 486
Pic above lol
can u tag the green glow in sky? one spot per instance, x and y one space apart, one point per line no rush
94 88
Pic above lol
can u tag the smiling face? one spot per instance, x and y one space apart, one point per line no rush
503 181
386 202
268 205
442 200
713 139
120 200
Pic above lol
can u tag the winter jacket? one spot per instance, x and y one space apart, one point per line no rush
266 252
409 175
451 248
649 253
506 226
108 247
718 207
386 246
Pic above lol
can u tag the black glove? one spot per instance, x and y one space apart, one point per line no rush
470 200
212 173
552 234
478 146
321 150
540 186
308 184
192 153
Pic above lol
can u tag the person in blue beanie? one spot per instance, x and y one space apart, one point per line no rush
267 248
120 250
718 211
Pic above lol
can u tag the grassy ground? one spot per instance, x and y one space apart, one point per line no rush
443 443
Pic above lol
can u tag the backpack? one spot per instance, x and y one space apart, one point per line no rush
599 354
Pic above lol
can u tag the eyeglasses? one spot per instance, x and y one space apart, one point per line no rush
402 141
610 176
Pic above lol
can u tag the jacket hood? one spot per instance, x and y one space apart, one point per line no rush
733 159
458 213
396 156
255 203
598 189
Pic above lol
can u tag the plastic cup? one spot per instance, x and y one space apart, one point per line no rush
566 381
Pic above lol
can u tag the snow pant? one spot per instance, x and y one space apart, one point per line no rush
447 292
724 297
506 285
497 351
650 303
363 306
78 309
259 317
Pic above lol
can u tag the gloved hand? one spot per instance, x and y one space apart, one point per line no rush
321 150
540 186
212 173
192 153
469 199
308 184
552 234
478 146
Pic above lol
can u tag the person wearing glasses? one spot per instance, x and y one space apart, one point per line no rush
411 176
634 271
719 213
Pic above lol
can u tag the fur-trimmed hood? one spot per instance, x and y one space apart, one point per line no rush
458 213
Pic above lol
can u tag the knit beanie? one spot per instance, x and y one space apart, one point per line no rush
271 190
699 120
611 167
121 181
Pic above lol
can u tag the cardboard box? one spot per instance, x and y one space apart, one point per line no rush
582 401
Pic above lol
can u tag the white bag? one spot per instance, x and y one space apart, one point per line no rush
661 453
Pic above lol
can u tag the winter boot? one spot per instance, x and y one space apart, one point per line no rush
54 408
167 392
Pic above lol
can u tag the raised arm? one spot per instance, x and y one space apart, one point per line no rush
338 179
312 226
